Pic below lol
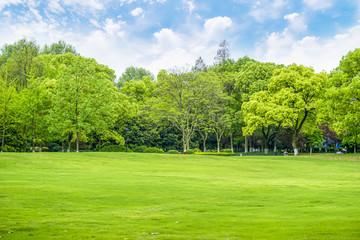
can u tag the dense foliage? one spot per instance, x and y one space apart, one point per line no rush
52 97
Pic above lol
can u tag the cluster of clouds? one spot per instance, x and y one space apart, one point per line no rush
113 40
294 45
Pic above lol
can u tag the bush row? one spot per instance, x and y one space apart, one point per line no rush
144 149
216 153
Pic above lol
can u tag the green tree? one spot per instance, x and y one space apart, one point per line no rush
252 77
133 73
59 48
263 113
341 104
180 98
18 57
84 97
8 102
315 139
296 89
35 106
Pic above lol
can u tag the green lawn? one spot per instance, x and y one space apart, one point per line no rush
133 196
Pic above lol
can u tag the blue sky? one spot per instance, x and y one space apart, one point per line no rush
161 34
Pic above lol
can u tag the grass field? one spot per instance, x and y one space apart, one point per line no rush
159 196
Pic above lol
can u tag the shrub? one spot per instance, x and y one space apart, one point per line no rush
216 153
226 150
192 151
114 148
173 152
53 147
56 149
8 149
153 150
139 148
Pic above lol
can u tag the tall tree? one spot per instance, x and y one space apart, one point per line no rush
200 65
19 58
223 53
263 113
84 96
341 105
296 89
59 48
252 77
180 98
133 73
35 106
8 102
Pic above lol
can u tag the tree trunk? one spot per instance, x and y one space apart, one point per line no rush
184 141
204 145
231 143
218 139
265 147
77 141
69 143
294 144
275 146
62 146
187 143
3 139
246 144
355 145
310 150
251 145
32 140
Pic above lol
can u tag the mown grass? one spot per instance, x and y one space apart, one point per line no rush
159 196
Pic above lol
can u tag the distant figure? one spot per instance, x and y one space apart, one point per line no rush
286 153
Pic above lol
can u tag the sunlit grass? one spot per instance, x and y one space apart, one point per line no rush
159 196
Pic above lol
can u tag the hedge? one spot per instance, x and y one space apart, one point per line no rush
173 152
114 148
153 150
216 153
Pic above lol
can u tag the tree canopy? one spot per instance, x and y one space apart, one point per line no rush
52 97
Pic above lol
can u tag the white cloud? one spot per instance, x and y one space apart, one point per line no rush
83 6
95 23
167 40
215 26
320 53
55 7
36 14
267 9
114 28
189 5
296 22
319 4
7 13
177 49
122 2
6 3
137 11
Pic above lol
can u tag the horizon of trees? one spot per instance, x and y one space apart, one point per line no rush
53 97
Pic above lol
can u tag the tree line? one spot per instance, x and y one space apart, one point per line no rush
52 97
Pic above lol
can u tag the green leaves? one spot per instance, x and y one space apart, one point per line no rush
84 96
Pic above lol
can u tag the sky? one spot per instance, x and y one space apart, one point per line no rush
163 34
